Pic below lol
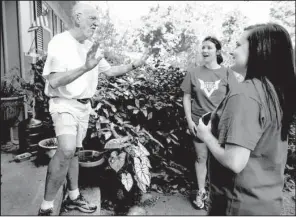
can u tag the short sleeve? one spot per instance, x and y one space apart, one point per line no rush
54 61
240 122
103 66
186 84
233 76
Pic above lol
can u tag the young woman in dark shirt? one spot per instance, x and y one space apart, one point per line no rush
248 132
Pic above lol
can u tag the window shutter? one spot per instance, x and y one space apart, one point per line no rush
39 36
54 24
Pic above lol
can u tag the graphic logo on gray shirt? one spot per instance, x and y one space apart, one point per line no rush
209 87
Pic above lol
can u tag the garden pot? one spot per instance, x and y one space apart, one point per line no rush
90 158
30 132
49 146
91 165
11 108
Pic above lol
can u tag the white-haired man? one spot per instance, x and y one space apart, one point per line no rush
71 71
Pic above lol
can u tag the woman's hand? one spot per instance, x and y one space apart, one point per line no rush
202 130
192 127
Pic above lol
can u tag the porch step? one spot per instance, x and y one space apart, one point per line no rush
89 186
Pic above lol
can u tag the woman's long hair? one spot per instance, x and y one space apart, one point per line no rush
271 61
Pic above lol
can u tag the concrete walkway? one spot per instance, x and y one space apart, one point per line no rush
22 187
89 188
169 205
166 205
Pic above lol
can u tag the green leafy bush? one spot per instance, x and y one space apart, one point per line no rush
151 99
145 105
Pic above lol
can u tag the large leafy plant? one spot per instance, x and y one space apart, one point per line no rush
129 159
14 93
13 84
150 98
125 147
143 111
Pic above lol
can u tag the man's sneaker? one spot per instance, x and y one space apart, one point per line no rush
47 212
200 198
81 204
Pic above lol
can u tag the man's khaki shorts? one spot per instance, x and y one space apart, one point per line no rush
69 123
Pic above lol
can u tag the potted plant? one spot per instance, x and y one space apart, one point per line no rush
90 158
17 95
49 146
12 95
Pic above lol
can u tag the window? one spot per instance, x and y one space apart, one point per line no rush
54 24
61 26
59 23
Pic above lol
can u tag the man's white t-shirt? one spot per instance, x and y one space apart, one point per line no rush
66 53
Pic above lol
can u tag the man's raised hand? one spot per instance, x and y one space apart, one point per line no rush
93 56
143 58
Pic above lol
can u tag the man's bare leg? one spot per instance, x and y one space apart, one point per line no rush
73 173
59 165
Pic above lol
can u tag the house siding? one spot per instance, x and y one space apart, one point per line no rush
16 41
10 35
63 10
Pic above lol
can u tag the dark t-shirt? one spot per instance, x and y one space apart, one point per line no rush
243 118
207 88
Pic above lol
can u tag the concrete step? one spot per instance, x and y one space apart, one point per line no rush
22 187
89 186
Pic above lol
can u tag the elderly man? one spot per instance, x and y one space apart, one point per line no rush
71 71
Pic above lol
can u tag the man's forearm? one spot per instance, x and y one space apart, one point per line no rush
58 79
119 70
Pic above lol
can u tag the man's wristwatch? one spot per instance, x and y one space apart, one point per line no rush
133 66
